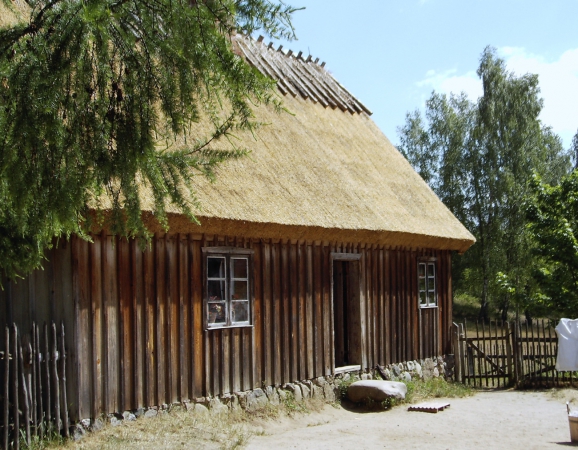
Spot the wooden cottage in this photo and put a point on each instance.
(322, 249)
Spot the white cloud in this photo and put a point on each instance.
(449, 81)
(558, 84)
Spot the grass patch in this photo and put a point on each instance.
(421, 390)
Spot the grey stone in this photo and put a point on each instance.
(78, 432)
(114, 421)
(320, 382)
(201, 409)
(436, 372)
(295, 390)
(97, 425)
(255, 400)
(85, 423)
(418, 369)
(346, 377)
(377, 390)
(309, 384)
(282, 394)
(410, 366)
(405, 376)
(305, 391)
(366, 376)
(396, 371)
(316, 391)
(139, 412)
(151, 412)
(127, 415)
(216, 406)
(329, 392)
(272, 395)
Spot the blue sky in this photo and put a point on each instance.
(391, 54)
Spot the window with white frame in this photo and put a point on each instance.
(227, 279)
(427, 284)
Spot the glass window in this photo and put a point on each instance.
(227, 287)
(427, 284)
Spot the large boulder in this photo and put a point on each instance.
(377, 390)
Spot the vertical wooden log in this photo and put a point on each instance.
(6, 404)
(54, 369)
(39, 359)
(48, 383)
(15, 405)
(25, 402)
(457, 353)
(33, 387)
(63, 382)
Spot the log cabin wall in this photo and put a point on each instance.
(137, 331)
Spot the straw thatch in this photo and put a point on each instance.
(321, 174)
(324, 172)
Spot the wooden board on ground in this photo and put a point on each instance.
(430, 407)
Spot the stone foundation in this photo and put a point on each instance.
(327, 389)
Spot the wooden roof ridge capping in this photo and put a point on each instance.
(336, 98)
(270, 70)
(285, 68)
(329, 84)
(261, 65)
(299, 75)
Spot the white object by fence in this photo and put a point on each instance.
(567, 358)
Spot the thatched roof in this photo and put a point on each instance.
(324, 172)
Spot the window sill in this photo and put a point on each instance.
(347, 369)
(228, 327)
(428, 307)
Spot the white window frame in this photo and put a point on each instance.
(427, 283)
(228, 280)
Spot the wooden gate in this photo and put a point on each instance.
(500, 354)
(484, 354)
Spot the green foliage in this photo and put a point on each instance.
(478, 157)
(552, 213)
(437, 387)
(96, 95)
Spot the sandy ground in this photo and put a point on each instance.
(491, 419)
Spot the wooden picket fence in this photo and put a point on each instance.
(499, 354)
(33, 380)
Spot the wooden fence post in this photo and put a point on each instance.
(63, 382)
(457, 352)
(509, 361)
(6, 405)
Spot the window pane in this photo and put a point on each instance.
(422, 298)
(240, 290)
(240, 311)
(421, 269)
(240, 266)
(217, 313)
(216, 290)
(431, 284)
(215, 267)
(422, 284)
(431, 270)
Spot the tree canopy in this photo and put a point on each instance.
(552, 213)
(93, 96)
(479, 157)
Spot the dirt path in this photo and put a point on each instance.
(495, 419)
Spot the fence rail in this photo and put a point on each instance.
(498, 354)
(33, 379)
